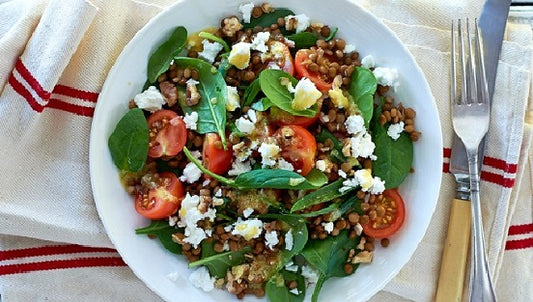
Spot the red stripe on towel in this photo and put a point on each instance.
(72, 108)
(60, 264)
(26, 74)
(519, 244)
(51, 250)
(497, 179)
(520, 229)
(76, 93)
(23, 92)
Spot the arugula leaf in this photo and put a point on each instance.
(211, 108)
(160, 60)
(394, 157)
(328, 256)
(279, 95)
(326, 193)
(279, 179)
(251, 92)
(128, 143)
(363, 85)
(163, 232)
(332, 34)
(218, 264)
(224, 65)
(336, 153)
(262, 105)
(276, 289)
(265, 20)
(303, 39)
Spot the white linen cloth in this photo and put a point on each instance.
(54, 58)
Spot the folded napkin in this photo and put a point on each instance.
(54, 58)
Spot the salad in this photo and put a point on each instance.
(266, 152)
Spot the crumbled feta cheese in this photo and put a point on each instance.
(364, 179)
(246, 10)
(233, 101)
(285, 165)
(354, 124)
(228, 228)
(291, 266)
(192, 81)
(368, 62)
(358, 229)
(150, 99)
(289, 240)
(174, 277)
(294, 291)
(191, 173)
(244, 125)
(239, 55)
(378, 186)
(258, 43)
(217, 201)
(251, 228)
(206, 182)
(328, 226)
(218, 193)
(189, 216)
(302, 22)
(349, 184)
(310, 275)
(362, 145)
(225, 246)
(200, 278)
(172, 220)
(321, 165)
(210, 50)
(342, 174)
(305, 94)
(247, 212)
(269, 153)
(386, 76)
(191, 120)
(239, 167)
(395, 130)
(271, 239)
(349, 48)
(252, 116)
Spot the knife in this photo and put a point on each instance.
(451, 279)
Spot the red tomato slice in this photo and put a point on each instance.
(300, 63)
(214, 157)
(161, 197)
(168, 134)
(391, 221)
(282, 118)
(298, 146)
(282, 57)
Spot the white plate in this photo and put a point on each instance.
(150, 261)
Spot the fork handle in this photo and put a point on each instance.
(481, 286)
(455, 253)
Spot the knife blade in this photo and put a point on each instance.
(451, 279)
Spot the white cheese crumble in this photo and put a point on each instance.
(361, 145)
(189, 216)
(200, 278)
(349, 48)
(247, 212)
(294, 291)
(290, 266)
(251, 228)
(320, 165)
(252, 115)
(191, 120)
(310, 275)
(363, 178)
(233, 100)
(289, 240)
(239, 167)
(174, 277)
(258, 43)
(395, 130)
(172, 220)
(342, 174)
(192, 173)
(150, 99)
(239, 55)
(354, 124)
(368, 62)
(387, 76)
(217, 201)
(358, 229)
(246, 10)
(328, 226)
(269, 152)
(285, 165)
(305, 94)
(378, 186)
(302, 22)
(271, 239)
(210, 50)
(244, 125)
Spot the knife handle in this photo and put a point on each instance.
(455, 253)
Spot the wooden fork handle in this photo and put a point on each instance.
(455, 253)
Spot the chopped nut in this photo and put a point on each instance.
(230, 26)
(363, 257)
(170, 92)
(192, 96)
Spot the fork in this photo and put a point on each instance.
(470, 120)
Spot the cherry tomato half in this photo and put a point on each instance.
(298, 146)
(282, 57)
(392, 219)
(160, 196)
(281, 117)
(168, 134)
(214, 157)
(300, 62)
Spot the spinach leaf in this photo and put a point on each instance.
(163, 232)
(160, 60)
(332, 34)
(279, 95)
(351, 203)
(262, 105)
(328, 256)
(277, 290)
(279, 179)
(211, 108)
(326, 193)
(394, 157)
(251, 92)
(298, 228)
(265, 20)
(218, 264)
(303, 39)
(128, 143)
(336, 153)
(363, 85)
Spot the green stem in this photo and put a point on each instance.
(194, 160)
(212, 37)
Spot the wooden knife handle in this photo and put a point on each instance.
(455, 253)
